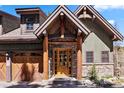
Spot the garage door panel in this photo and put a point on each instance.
(16, 69)
(2, 67)
(26, 66)
(18, 60)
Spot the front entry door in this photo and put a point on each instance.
(62, 58)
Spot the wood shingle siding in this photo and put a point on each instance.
(9, 22)
(22, 47)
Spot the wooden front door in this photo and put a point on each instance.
(62, 58)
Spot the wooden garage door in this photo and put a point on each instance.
(27, 66)
(2, 67)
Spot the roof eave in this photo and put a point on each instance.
(108, 25)
(55, 13)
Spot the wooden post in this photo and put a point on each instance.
(79, 57)
(45, 57)
(9, 66)
(62, 25)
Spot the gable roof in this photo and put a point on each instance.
(68, 13)
(2, 13)
(114, 31)
(16, 36)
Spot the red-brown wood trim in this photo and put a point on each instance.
(65, 43)
(79, 58)
(45, 58)
(62, 25)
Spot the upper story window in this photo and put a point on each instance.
(29, 23)
(105, 56)
(29, 26)
(89, 57)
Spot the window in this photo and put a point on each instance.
(89, 56)
(29, 26)
(105, 56)
(30, 22)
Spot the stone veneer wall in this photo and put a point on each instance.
(102, 69)
(119, 60)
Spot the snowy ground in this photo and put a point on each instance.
(59, 83)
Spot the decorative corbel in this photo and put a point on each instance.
(79, 32)
(62, 25)
(93, 18)
(114, 37)
(45, 33)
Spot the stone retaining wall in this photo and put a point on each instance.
(102, 69)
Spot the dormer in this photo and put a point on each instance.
(31, 18)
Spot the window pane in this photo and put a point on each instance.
(89, 57)
(29, 26)
(105, 56)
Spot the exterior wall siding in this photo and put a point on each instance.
(41, 19)
(93, 43)
(21, 47)
(97, 41)
(1, 28)
(25, 31)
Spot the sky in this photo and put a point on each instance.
(113, 13)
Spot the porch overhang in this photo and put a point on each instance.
(61, 9)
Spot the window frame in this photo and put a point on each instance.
(105, 58)
(30, 27)
(92, 57)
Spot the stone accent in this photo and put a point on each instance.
(119, 60)
(102, 69)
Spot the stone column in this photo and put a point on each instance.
(79, 57)
(45, 58)
(9, 66)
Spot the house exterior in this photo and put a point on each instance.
(34, 46)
